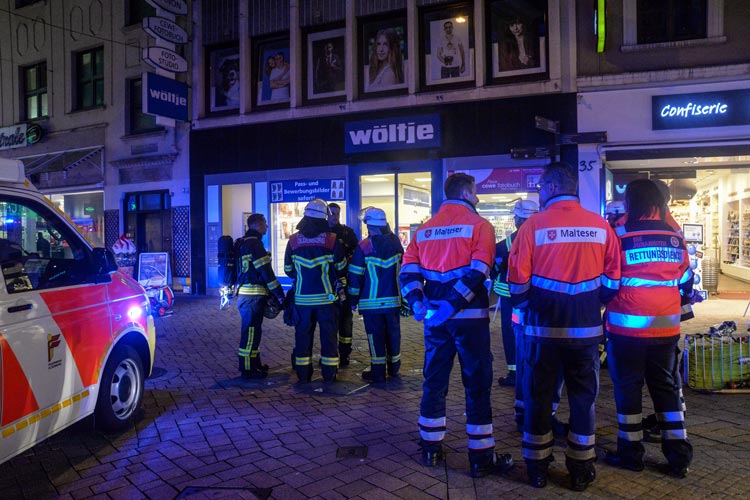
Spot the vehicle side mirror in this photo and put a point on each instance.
(104, 261)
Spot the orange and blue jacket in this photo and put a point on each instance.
(564, 264)
(315, 261)
(448, 259)
(655, 275)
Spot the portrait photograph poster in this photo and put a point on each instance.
(224, 66)
(273, 71)
(448, 46)
(326, 70)
(518, 34)
(384, 55)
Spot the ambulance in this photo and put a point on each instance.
(76, 336)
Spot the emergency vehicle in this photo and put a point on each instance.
(76, 336)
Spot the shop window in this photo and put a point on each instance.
(671, 23)
(137, 10)
(89, 76)
(86, 210)
(34, 79)
(139, 121)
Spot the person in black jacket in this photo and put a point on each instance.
(348, 241)
(315, 261)
(374, 288)
(257, 284)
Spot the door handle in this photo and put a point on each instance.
(22, 307)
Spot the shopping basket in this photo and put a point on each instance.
(717, 361)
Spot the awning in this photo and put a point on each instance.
(62, 161)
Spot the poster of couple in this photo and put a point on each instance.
(273, 73)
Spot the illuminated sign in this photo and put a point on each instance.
(13, 136)
(390, 134)
(306, 190)
(166, 59)
(159, 27)
(165, 97)
(707, 109)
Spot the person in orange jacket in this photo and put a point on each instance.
(442, 278)
(563, 266)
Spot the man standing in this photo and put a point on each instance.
(442, 278)
(522, 210)
(450, 49)
(348, 241)
(255, 282)
(315, 261)
(563, 266)
(374, 287)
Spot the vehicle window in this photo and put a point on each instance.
(37, 250)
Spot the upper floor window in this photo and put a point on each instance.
(35, 90)
(139, 121)
(90, 78)
(138, 9)
(671, 20)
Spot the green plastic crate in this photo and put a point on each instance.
(716, 363)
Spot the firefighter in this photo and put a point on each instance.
(522, 210)
(316, 262)
(348, 241)
(442, 278)
(643, 327)
(613, 212)
(257, 285)
(374, 288)
(563, 265)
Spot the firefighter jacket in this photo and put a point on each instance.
(373, 274)
(564, 264)
(655, 270)
(499, 272)
(315, 261)
(348, 241)
(449, 258)
(254, 273)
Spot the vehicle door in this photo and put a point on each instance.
(54, 323)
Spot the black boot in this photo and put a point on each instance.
(623, 462)
(373, 376)
(493, 463)
(537, 471)
(260, 366)
(393, 368)
(509, 380)
(432, 456)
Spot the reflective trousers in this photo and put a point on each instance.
(518, 406)
(327, 317)
(251, 311)
(384, 337)
(630, 364)
(345, 325)
(580, 366)
(507, 332)
(470, 339)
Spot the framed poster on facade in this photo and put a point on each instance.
(224, 78)
(272, 72)
(447, 45)
(326, 70)
(518, 39)
(383, 56)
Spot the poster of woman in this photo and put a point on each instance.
(519, 45)
(384, 55)
(273, 73)
(225, 79)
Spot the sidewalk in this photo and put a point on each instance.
(207, 434)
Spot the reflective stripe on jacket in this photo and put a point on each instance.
(255, 275)
(499, 273)
(373, 274)
(449, 258)
(655, 266)
(315, 263)
(564, 264)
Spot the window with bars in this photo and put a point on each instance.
(139, 121)
(90, 78)
(671, 20)
(35, 91)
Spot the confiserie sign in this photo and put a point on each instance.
(706, 109)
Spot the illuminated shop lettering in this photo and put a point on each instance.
(692, 109)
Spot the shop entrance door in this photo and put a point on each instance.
(407, 192)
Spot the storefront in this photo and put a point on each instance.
(697, 139)
(396, 160)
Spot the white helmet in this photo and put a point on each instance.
(614, 208)
(525, 208)
(317, 209)
(373, 216)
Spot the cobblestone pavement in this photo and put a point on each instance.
(205, 433)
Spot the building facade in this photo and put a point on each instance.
(372, 103)
(70, 109)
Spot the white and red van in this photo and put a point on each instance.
(76, 336)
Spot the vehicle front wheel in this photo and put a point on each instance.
(120, 390)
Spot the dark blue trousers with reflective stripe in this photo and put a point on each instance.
(630, 364)
(327, 317)
(345, 325)
(506, 329)
(384, 336)
(580, 365)
(470, 339)
(518, 406)
(251, 312)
